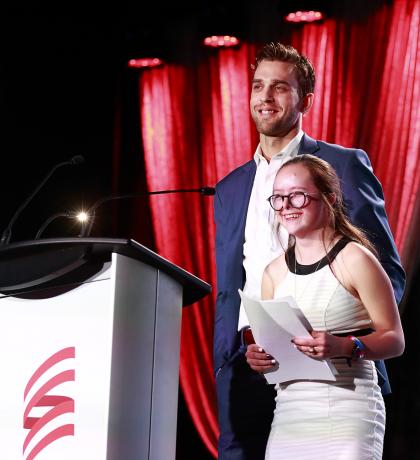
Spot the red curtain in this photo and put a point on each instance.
(183, 233)
(367, 96)
(193, 138)
(196, 128)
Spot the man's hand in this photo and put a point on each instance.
(258, 359)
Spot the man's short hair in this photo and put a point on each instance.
(276, 51)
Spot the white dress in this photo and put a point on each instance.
(342, 420)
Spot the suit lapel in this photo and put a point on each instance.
(243, 188)
(308, 145)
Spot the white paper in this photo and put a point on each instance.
(274, 324)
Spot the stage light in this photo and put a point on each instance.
(304, 16)
(218, 41)
(82, 216)
(144, 62)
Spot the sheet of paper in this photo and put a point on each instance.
(274, 323)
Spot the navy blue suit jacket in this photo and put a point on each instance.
(364, 201)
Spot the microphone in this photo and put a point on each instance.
(7, 232)
(76, 160)
(86, 229)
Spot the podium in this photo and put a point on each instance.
(90, 338)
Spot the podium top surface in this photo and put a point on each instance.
(34, 264)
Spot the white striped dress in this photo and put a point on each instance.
(342, 420)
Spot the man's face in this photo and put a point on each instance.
(276, 106)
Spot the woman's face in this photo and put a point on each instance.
(299, 221)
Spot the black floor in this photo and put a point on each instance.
(188, 444)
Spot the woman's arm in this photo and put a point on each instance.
(361, 273)
(256, 357)
(366, 276)
(273, 275)
(267, 286)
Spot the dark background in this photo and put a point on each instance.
(64, 82)
(65, 90)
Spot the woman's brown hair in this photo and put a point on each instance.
(327, 182)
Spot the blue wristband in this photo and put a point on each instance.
(358, 351)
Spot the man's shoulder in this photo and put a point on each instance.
(334, 148)
(335, 154)
(238, 173)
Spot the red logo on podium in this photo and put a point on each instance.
(59, 404)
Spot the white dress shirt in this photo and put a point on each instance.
(263, 242)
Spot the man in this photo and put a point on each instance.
(246, 240)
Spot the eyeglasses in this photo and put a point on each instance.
(296, 200)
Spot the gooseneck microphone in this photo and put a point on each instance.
(51, 219)
(87, 228)
(7, 232)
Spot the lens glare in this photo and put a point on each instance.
(297, 199)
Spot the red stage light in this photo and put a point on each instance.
(144, 62)
(304, 16)
(216, 41)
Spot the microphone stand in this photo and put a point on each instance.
(7, 232)
(87, 227)
(51, 219)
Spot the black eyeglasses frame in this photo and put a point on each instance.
(308, 197)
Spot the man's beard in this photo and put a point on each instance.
(278, 128)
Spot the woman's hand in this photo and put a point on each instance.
(258, 359)
(324, 345)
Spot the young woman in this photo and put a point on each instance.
(331, 270)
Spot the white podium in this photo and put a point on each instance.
(89, 340)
